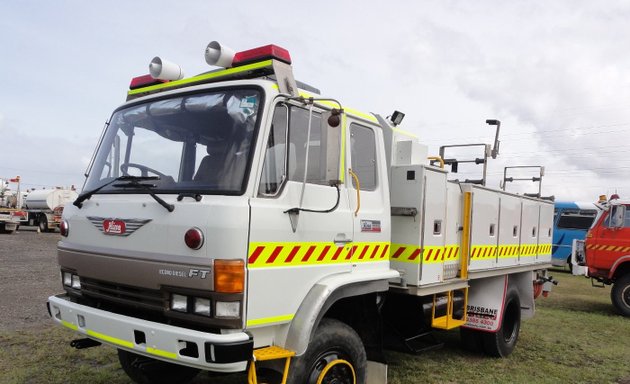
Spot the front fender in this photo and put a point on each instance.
(324, 294)
(616, 264)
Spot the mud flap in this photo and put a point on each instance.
(376, 373)
(485, 303)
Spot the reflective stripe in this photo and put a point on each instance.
(202, 78)
(110, 339)
(287, 254)
(69, 325)
(269, 320)
(159, 352)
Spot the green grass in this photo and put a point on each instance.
(575, 337)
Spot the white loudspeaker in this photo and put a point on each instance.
(219, 55)
(165, 70)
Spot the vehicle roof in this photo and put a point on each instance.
(574, 205)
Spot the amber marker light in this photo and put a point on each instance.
(229, 276)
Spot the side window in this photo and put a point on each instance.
(618, 216)
(313, 163)
(274, 165)
(363, 156)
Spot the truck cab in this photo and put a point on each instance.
(607, 252)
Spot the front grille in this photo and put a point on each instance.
(133, 297)
(151, 304)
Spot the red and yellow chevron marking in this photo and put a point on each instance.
(508, 251)
(288, 254)
(528, 250)
(409, 253)
(483, 252)
(544, 249)
(608, 247)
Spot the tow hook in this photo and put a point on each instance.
(84, 343)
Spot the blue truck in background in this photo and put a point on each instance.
(571, 221)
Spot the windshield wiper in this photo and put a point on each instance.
(86, 195)
(135, 183)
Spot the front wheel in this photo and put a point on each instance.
(620, 295)
(334, 355)
(145, 370)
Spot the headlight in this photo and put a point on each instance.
(76, 282)
(202, 306)
(67, 279)
(229, 309)
(179, 303)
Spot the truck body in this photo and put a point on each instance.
(238, 218)
(571, 221)
(606, 252)
(44, 207)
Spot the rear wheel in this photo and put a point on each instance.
(145, 370)
(43, 223)
(502, 342)
(335, 355)
(620, 295)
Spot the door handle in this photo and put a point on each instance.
(341, 239)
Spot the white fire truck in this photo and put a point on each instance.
(239, 221)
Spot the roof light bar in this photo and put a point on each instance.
(261, 53)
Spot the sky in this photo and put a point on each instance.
(555, 73)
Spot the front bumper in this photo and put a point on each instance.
(208, 351)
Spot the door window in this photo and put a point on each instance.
(363, 152)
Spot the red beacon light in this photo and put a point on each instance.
(144, 81)
(261, 53)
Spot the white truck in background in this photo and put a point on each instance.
(10, 203)
(44, 207)
(237, 220)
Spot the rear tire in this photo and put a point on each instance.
(334, 355)
(620, 295)
(43, 223)
(502, 342)
(145, 370)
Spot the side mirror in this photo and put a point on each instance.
(331, 122)
(617, 214)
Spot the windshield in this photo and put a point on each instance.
(199, 143)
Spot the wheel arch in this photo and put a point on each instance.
(620, 267)
(335, 296)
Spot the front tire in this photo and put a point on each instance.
(620, 295)
(145, 370)
(502, 342)
(334, 355)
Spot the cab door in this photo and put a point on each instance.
(612, 240)
(369, 195)
(301, 227)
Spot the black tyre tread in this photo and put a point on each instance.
(616, 294)
(160, 372)
(494, 344)
(330, 333)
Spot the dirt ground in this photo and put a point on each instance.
(28, 275)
